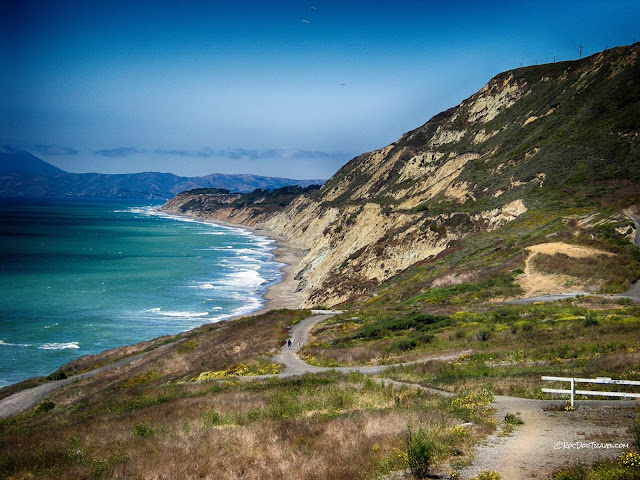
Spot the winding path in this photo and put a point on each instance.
(294, 365)
(23, 400)
(548, 440)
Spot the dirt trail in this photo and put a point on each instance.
(540, 282)
(551, 439)
(24, 400)
(294, 365)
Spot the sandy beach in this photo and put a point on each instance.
(283, 294)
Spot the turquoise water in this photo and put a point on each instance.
(79, 277)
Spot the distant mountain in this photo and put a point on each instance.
(24, 174)
(18, 161)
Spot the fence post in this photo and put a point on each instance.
(573, 390)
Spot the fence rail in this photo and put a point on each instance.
(599, 380)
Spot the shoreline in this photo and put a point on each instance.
(282, 294)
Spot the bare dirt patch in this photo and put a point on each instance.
(534, 283)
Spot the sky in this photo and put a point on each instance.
(289, 88)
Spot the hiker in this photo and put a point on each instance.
(289, 344)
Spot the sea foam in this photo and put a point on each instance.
(59, 346)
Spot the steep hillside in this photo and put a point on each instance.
(549, 150)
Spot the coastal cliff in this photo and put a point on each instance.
(532, 141)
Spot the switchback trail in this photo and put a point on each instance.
(294, 365)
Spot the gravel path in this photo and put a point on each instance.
(551, 439)
(24, 400)
(294, 365)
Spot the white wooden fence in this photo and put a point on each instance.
(600, 380)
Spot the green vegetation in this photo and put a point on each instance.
(512, 345)
(208, 191)
(625, 467)
(275, 198)
(510, 422)
(242, 370)
(422, 451)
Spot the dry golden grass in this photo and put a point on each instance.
(209, 348)
(328, 426)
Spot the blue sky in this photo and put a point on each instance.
(281, 88)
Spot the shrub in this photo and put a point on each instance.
(395, 460)
(630, 460)
(143, 430)
(211, 418)
(45, 406)
(590, 320)
(187, 347)
(422, 451)
(405, 344)
(472, 406)
(488, 475)
(57, 375)
(483, 335)
(513, 419)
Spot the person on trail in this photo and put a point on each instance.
(289, 344)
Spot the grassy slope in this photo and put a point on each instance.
(151, 421)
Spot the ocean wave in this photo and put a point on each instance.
(246, 279)
(204, 286)
(252, 305)
(8, 344)
(177, 314)
(59, 346)
(252, 260)
(250, 251)
(144, 210)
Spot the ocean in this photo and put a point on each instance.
(81, 276)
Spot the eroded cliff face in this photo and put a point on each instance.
(469, 170)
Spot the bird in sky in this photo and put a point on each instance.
(305, 21)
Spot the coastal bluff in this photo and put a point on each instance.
(502, 163)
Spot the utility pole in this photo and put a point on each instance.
(580, 50)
